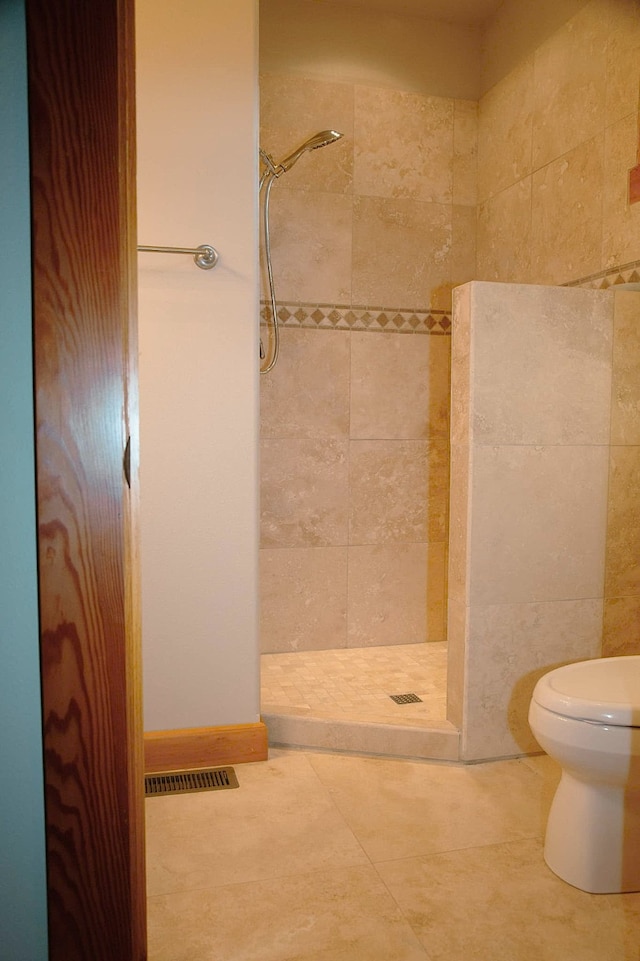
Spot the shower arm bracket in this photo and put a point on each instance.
(272, 167)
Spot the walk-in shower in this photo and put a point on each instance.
(273, 170)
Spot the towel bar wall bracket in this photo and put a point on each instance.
(204, 256)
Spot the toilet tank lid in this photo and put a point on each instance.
(605, 690)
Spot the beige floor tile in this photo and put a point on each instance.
(501, 902)
(400, 809)
(356, 684)
(270, 872)
(345, 915)
(280, 821)
(545, 766)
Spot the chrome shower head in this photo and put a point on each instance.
(321, 139)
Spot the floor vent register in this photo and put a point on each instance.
(189, 782)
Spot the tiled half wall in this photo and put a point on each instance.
(545, 525)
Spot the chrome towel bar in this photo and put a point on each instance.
(204, 256)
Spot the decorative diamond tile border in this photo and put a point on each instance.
(373, 319)
(405, 321)
(611, 277)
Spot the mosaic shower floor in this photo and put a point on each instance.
(341, 700)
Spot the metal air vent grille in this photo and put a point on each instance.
(189, 782)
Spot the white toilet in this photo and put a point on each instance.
(587, 716)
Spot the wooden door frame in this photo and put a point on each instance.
(82, 133)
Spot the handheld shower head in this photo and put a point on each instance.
(271, 172)
(321, 139)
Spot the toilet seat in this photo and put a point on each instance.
(601, 691)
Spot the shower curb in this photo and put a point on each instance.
(360, 737)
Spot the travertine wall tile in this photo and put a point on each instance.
(555, 140)
(461, 398)
(390, 383)
(621, 628)
(465, 152)
(538, 523)
(303, 599)
(403, 145)
(464, 254)
(439, 402)
(623, 58)
(625, 399)
(510, 647)
(529, 503)
(401, 252)
(310, 245)
(304, 487)
(388, 589)
(620, 220)
(542, 361)
(457, 641)
(437, 557)
(407, 148)
(623, 528)
(504, 235)
(286, 120)
(566, 218)
(388, 491)
(570, 71)
(505, 132)
(384, 233)
(459, 523)
(307, 392)
(437, 482)
(584, 140)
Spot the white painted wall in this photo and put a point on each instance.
(197, 183)
(514, 32)
(356, 43)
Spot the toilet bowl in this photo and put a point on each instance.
(587, 717)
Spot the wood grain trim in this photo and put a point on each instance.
(131, 500)
(204, 747)
(81, 123)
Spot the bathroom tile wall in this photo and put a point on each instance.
(387, 218)
(354, 490)
(369, 236)
(556, 139)
(531, 373)
(621, 633)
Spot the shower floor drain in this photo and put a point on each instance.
(189, 782)
(406, 698)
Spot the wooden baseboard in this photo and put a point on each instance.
(204, 747)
